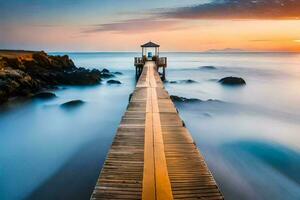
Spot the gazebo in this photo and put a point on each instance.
(150, 52)
(148, 49)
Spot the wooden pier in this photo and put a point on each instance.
(153, 155)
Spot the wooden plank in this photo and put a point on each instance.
(122, 173)
(149, 190)
(163, 186)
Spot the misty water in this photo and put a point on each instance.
(249, 135)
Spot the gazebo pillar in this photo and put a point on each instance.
(157, 52)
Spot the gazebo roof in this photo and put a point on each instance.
(150, 44)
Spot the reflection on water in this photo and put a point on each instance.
(248, 135)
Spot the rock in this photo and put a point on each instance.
(72, 104)
(215, 101)
(105, 70)
(10, 62)
(213, 79)
(44, 95)
(3, 96)
(113, 82)
(208, 67)
(183, 99)
(207, 115)
(80, 76)
(14, 82)
(41, 59)
(35, 71)
(107, 75)
(118, 73)
(233, 81)
(188, 81)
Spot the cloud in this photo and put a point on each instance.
(238, 9)
(173, 18)
(134, 26)
(275, 40)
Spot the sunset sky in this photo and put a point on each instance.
(177, 25)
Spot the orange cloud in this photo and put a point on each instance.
(239, 9)
(135, 25)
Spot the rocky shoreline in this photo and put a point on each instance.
(24, 73)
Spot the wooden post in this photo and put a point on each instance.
(164, 73)
(136, 71)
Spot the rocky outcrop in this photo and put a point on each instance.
(26, 73)
(175, 98)
(44, 95)
(178, 99)
(105, 73)
(113, 82)
(233, 81)
(72, 104)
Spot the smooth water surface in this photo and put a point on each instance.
(249, 135)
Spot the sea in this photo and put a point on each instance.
(249, 135)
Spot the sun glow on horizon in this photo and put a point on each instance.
(102, 28)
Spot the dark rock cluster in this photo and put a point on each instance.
(105, 73)
(175, 98)
(21, 76)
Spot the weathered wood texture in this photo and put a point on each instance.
(153, 155)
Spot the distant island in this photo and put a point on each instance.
(226, 50)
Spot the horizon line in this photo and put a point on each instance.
(117, 51)
(206, 52)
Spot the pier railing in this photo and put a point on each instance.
(139, 61)
(160, 61)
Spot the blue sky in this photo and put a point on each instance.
(53, 12)
(179, 25)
